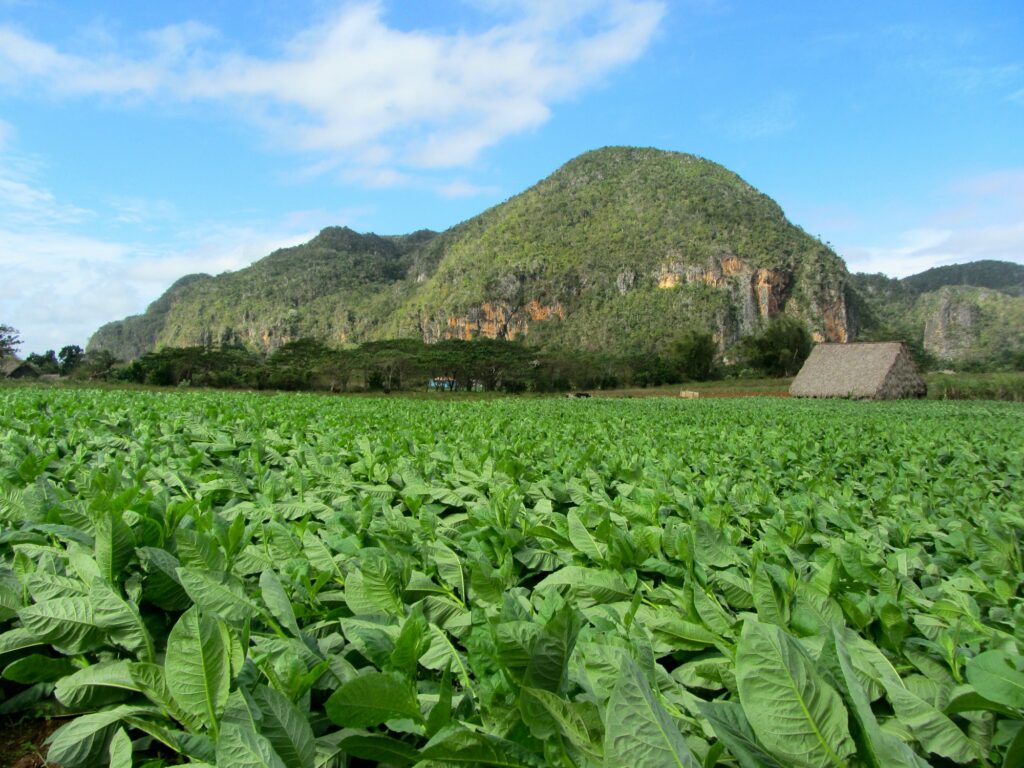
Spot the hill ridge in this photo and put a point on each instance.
(619, 249)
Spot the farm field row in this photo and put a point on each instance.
(295, 580)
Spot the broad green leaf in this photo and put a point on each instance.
(198, 666)
(772, 606)
(96, 685)
(440, 715)
(241, 710)
(673, 631)
(412, 642)
(1015, 751)
(379, 748)
(151, 681)
(583, 540)
(217, 592)
(196, 746)
(596, 585)
(373, 589)
(115, 545)
(733, 730)
(442, 654)
(66, 623)
(711, 546)
(18, 639)
(929, 726)
(120, 750)
(999, 677)
(458, 745)
(287, 729)
(162, 587)
(449, 568)
(638, 730)
(241, 747)
(37, 669)
(796, 715)
(120, 620)
(372, 699)
(966, 699)
(319, 556)
(548, 668)
(880, 749)
(277, 602)
(564, 715)
(85, 741)
(372, 637)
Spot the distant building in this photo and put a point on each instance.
(862, 371)
(12, 368)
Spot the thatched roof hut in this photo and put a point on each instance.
(12, 368)
(871, 370)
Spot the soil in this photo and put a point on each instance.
(21, 741)
(704, 394)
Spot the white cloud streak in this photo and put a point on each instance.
(360, 90)
(60, 286)
(984, 220)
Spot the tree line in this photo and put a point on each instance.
(491, 365)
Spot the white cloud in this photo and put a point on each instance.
(982, 218)
(58, 286)
(923, 249)
(462, 188)
(28, 205)
(357, 89)
(772, 116)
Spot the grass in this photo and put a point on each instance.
(941, 386)
(976, 386)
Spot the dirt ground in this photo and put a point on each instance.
(21, 741)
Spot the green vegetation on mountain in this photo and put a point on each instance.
(335, 286)
(970, 315)
(619, 251)
(1003, 276)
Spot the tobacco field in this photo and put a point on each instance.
(292, 581)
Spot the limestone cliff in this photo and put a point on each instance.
(966, 323)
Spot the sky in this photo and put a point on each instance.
(140, 142)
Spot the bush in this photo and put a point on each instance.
(780, 348)
(694, 355)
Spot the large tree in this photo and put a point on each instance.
(70, 356)
(46, 362)
(9, 340)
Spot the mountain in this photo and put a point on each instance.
(961, 313)
(1003, 276)
(621, 249)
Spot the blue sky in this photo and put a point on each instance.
(143, 141)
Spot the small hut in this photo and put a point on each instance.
(863, 371)
(12, 368)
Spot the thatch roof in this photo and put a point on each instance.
(873, 370)
(12, 368)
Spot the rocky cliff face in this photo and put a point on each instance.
(967, 323)
(949, 326)
(757, 295)
(497, 320)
